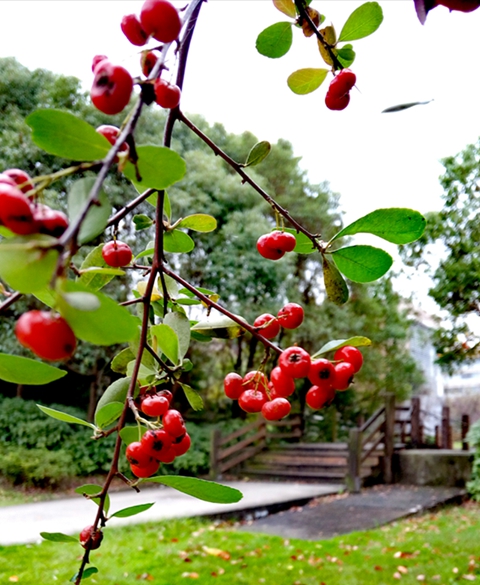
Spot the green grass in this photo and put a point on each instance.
(439, 548)
(10, 496)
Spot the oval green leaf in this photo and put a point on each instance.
(362, 22)
(90, 274)
(142, 222)
(21, 370)
(275, 41)
(357, 341)
(116, 392)
(121, 360)
(362, 263)
(305, 81)
(132, 511)
(132, 434)
(25, 264)
(181, 325)
(108, 414)
(58, 537)
(199, 222)
(167, 341)
(219, 326)
(85, 575)
(258, 153)
(63, 134)
(177, 242)
(83, 301)
(98, 215)
(346, 55)
(194, 399)
(304, 244)
(335, 285)
(159, 167)
(90, 489)
(64, 417)
(209, 491)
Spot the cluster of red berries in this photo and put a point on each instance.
(47, 334)
(255, 393)
(289, 317)
(159, 445)
(21, 214)
(338, 94)
(274, 245)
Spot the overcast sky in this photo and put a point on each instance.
(372, 159)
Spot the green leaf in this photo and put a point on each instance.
(275, 41)
(132, 434)
(167, 341)
(64, 417)
(335, 344)
(187, 301)
(170, 284)
(85, 575)
(286, 6)
(209, 491)
(47, 296)
(194, 399)
(396, 224)
(335, 285)
(346, 55)
(26, 265)
(94, 270)
(362, 263)
(107, 325)
(178, 242)
(115, 393)
(304, 244)
(108, 414)
(98, 215)
(159, 167)
(132, 511)
(121, 360)
(218, 326)
(58, 537)
(181, 325)
(362, 22)
(83, 301)
(199, 222)
(258, 153)
(90, 489)
(21, 370)
(142, 222)
(63, 134)
(146, 375)
(305, 81)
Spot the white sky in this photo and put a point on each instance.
(372, 159)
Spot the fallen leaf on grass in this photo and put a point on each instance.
(402, 569)
(469, 577)
(397, 575)
(420, 577)
(191, 575)
(145, 577)
(378, 568)
(217, 552)
(13, 579)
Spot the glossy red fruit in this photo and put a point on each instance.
(168, 455)
(16, 211)
(322, 373)
(112, 88)
(167, 95)
(21, 179)
(267, 325)
(156, 442)
(276, 409)
(117, 254)
(48, 335)
(91, 539)
(233, 385)
(255, 380)
(317, 397)
(266, 250)
(181, 445)
(98, 59)
(295, 362)
(145, 470)
(7, 180)
(173, 423)
(460, 5)
(291, 316)
(132, 29)
(111, 134)
(344, 372)
(283, 384)
(284, 241)
(50, 221)
(167, 394)
(137, 455)
(147, 62)
(155, 405)
(342, 83)
(161, 20)
(350, 354)
(252, 400)
(337, 103)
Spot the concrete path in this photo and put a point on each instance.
(23, 524)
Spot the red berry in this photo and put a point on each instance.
(50, 221)
(252, 400)
(342, 83)
(233, 385)
(145, 470)
(322, 373)
(98, 59)
(173, 423)
(317, 398)
(266, 250)
(343, 375)
(160, 20)
(291, 316)
(16, 212)
(112, 88)
(137, 455)
(167, 394)
(181, 445)
(350, 354)
(117, 254)
(156, 442)
(283, 385)
(295, 362)
(133, 30)
(21, 179)
(276, 409)
(168, 455)
(284, 241)
(48, 335)
(91, 539)
(460, 5)
(147, 62)
(111, 134)
(167, 95)
(155, 405)
(7, 180)
(255, 380)
(267, 325)
(337, 103)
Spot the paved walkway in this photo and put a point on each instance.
(23, 524)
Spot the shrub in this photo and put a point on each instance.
(473, 438)
(35, 467)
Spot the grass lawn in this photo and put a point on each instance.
(437, 548)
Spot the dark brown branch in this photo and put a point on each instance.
(10, 300)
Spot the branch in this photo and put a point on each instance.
(9, 301)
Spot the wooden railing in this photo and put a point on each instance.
(230, 450)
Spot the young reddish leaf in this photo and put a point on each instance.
(286, 6)
(305, 81)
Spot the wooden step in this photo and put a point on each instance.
(272, 458)
(316, 446)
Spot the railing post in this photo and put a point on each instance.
(214, 449)
(465, 429)
(415, 425)
(445, 431)
(354, 457)
(389, 437)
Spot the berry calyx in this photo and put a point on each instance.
(267, 251)
(283, 385)
(233, 385)
(112, 88)
(132, 29)
(173, 423)
(48, 335)
(160, 20)
(90, 538)
(117, 254)
(290, 316)
(317, 397)
(267, 325)
(167, 95)
(350, 354)
(252, 400)
(344, 372)
(295, 362)
(322, 373)
(276, 409)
